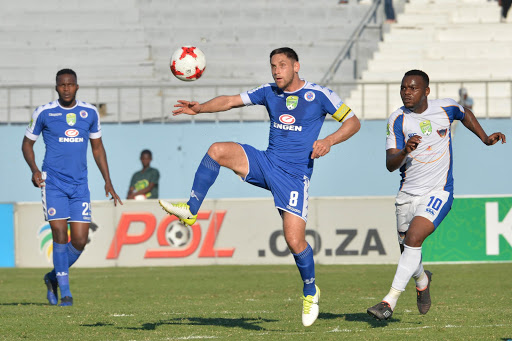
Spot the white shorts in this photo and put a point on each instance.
(434, 206)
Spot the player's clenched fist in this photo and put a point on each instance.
(412, 144)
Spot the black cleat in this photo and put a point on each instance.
(423, 297)
(381, 311)
(66, 301)
(51, 287)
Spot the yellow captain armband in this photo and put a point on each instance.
(341, 113)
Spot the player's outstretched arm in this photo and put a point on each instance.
(472, 124)
(27, 147)
(221, 103)
(346, 131)
(100, 156)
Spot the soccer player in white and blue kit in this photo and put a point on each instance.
(297, 110)
(419, 143)
(67, 126)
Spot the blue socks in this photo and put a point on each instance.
(60, 262)
(206, 175)
(73, 255)
(306, 265)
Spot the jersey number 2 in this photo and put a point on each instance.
(86, 208)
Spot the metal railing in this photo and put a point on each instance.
(154, 103)
(352, 44)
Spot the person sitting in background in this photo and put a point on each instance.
(144, 183)
(464, 99)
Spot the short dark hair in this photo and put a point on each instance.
(290, 53)
(146, 151)
(419, 73)
(66, 72)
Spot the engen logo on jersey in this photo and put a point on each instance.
(287, 122)
(83, 114)
(71, 133)
(287, 119)
(71, 136)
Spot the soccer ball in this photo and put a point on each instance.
(188, 63)
(178, 234)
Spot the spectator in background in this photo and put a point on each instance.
(390, 11)
(464, 99)
(505, 6)
(144, 183)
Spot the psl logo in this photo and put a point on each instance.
(426, 127)
(175, 240)
(46, 239)
(291, 102)
(71, 119)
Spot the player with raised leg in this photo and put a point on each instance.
(67, 125)
(419, 144)
(297, 110)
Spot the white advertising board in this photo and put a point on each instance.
(228, 231)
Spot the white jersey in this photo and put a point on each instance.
(429, 167)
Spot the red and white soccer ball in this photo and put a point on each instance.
(188, 63)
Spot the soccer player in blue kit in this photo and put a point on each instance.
(297, 110)
(419, 144)
(67, 125)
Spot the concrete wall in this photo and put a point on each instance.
(354, 168)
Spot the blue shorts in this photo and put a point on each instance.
(65, 201)
(290, 191)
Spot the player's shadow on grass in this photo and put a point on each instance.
(245, 323)
(25, 303)
(357, 317)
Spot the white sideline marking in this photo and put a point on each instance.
(192, 337)
(121, 315)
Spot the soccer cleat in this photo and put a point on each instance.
(51, 287)
(310, 308)
(180, 210)
(423, 297)
(66, 301)
(381, 311)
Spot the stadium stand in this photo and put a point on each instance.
(457, 42)
(121, 49)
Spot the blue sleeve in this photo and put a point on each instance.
(399, 132)
(454, 113)
(256, 96)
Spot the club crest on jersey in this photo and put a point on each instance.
(442, 132)
(71, 119)
(83, 114)
(426, 127)
(309, 96)
(291, 102)
(52, 211)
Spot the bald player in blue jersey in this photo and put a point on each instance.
(297, 110)
(67, 126)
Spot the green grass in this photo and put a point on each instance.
(470, 302)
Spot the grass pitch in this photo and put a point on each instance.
(470, 302)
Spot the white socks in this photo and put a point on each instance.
(408, 265)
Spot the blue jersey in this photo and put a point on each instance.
(295, 121)
(66, 133)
